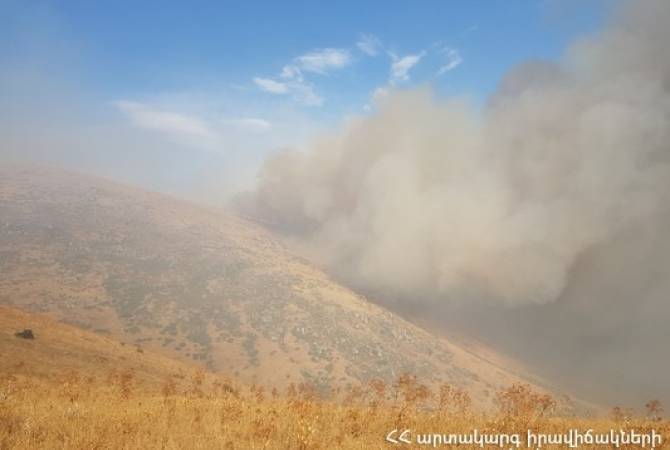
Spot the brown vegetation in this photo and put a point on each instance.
(207, 411)
(73, 389)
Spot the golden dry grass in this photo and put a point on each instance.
(204, 411)
(73, 389)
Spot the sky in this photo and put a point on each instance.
(190, 97)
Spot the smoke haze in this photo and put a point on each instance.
(540, 222)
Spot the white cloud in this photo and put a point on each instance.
(291, 71)
(250, 125)
(324, 60)
(300, 91)
(295, 85)
(271, 86)
(306, 95)
(317, 61)
(369, 44)
(380, 94)
(145, 116)
(454, 59)
(401, 66)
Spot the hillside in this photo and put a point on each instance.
(60, 351)
(71, 388)
(205, 287)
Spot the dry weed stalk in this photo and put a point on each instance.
(205, 411)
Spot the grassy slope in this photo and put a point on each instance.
(73, 389)
(60, 350)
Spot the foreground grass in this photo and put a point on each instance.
(205, 412)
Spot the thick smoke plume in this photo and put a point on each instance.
(557, 193)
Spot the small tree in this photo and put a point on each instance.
(519, 400)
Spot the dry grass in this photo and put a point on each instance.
(204, 411)
(73, 389)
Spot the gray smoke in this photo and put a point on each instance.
(548, 209)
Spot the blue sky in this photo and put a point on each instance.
(243, 78)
